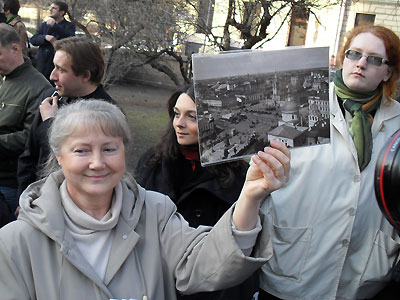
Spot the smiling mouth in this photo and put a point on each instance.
(97, 176)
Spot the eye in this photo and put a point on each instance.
(109, 150)
(176, 114)
(375, 60)
(80, 151)
(353, 54)
(193, 117)
(59, 69)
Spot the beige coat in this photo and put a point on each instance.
(153, 247)
(330, 238)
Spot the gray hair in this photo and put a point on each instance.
(8, 35)
(90, 114)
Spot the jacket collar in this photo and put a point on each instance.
(19, 70)
(41, 207)
(387, 110)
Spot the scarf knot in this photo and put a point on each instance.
(360, 105)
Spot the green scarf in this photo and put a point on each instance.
(11, 18)
(359, 105)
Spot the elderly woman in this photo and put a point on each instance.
(88, 231)
(331, 240)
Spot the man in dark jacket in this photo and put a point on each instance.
(20, 94)
(53, 29)
(79, 68)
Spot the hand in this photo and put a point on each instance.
(50, 38)
(49, 107)
(268, 172)
(50, 22)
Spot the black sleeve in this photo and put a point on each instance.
(28, 160)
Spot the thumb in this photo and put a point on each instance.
(55, 101)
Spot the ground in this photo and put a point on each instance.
(146, 109)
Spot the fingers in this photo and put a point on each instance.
(52, 101)
(47, 100)
(270, 164)
(55, 101)
(280, 146)
(48, 108)
(274, 162)
(281, 153)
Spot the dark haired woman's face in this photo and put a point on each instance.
(359, 75)
(184, 122)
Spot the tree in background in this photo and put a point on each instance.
(251, 20)
(135, 33)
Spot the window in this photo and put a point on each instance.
(205, 15)
(364, 19)
(298, 26)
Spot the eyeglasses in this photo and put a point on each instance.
(371, 59)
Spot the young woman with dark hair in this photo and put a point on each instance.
(202, 194)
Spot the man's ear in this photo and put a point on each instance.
(15, 47)
(86, 76)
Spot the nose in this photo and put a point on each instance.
(97, 161)
(53, 75)
(180, 122)
(362, 62)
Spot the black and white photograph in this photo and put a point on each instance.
(246, 98)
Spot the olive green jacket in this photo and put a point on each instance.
(20, 96)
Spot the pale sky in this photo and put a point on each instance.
(236, 63)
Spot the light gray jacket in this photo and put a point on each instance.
(153, 248)
(330, 238)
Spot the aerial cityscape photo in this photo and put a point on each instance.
(239, 115)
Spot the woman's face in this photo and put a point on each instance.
(184, 122)
(93, 164)
(359, 75)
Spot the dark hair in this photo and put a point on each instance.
(85, 56)
(11, 5)
(8, 35)
(392, 47)
(62, 6)
(168, 147)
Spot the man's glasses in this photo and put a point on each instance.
(371, 59)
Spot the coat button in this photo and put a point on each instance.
(124, 237)
(345, 243)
